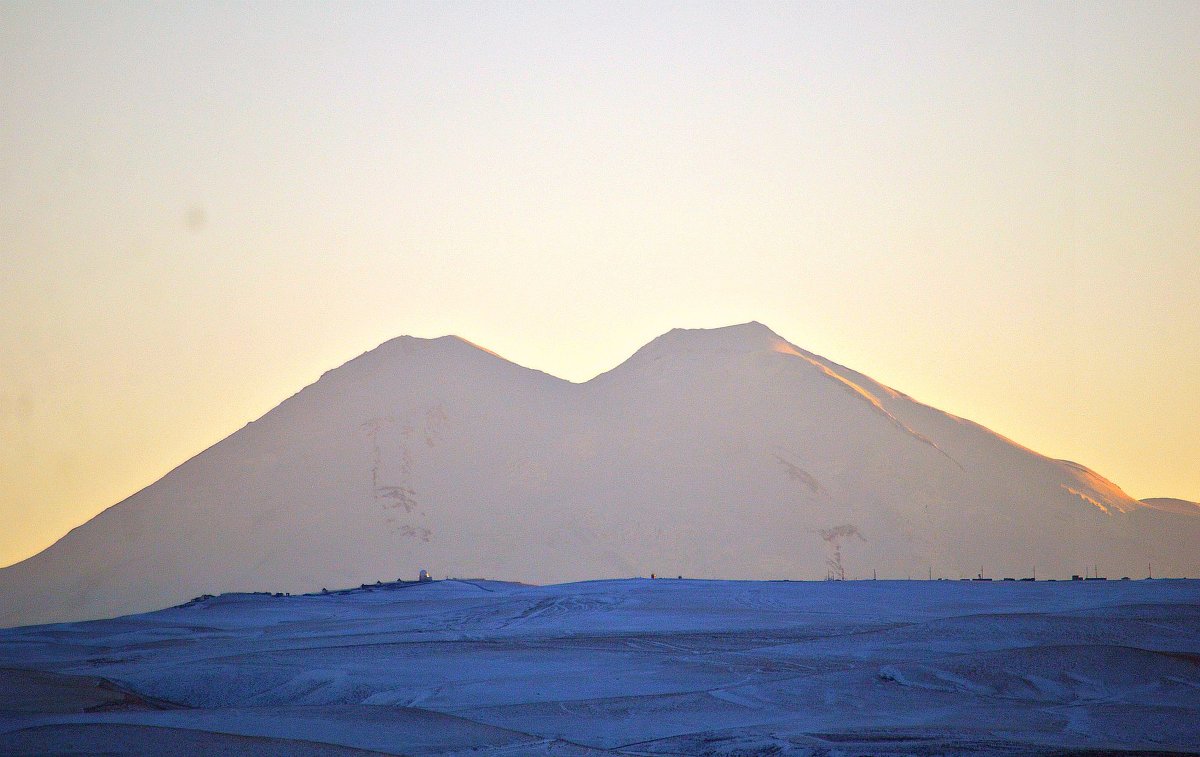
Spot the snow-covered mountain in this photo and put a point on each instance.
(718, 453)
(1173, 505)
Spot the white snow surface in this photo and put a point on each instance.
(722, 453)
(637, 666)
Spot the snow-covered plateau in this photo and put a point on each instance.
(720, 453)
(637, 666)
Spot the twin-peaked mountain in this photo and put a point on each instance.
(709, 453)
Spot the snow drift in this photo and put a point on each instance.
(709, 453)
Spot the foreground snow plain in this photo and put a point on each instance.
(635, 666)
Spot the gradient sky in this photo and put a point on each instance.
(203, 206)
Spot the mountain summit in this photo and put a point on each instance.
(745, 337)
(726, 453)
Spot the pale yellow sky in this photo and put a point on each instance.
(992, 207)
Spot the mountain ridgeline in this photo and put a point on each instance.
(725, 453)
